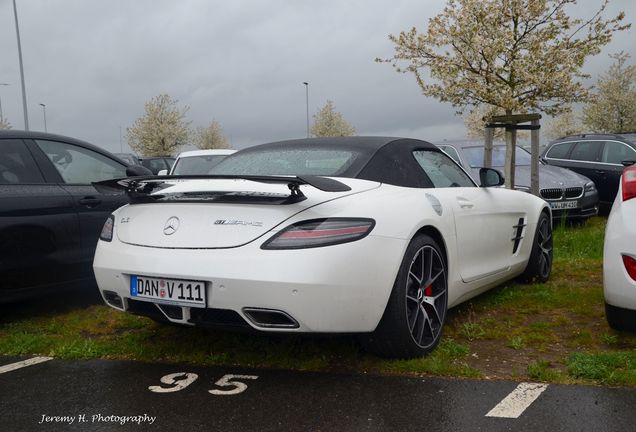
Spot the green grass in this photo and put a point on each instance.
(575, 243)
(552, 332)
(516, 342)
(614, 368)
(541, 370)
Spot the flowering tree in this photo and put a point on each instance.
(566, 123)
(210, 137)
(4, 123)
(612, 107)
(162, 128)
(517, 55)
(329, 122)
(477, 119)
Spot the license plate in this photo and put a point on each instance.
(559, 205)
(168, 291)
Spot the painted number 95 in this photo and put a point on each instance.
(178, 381)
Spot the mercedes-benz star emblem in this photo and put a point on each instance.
(171, 226)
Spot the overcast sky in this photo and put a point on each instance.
(241, 62)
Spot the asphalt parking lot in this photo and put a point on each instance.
(101, 395)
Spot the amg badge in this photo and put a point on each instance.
(237, 222)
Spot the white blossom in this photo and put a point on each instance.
(162, 128)
(4, 123)
(612, 107)
(517, 55)
(210, 137)
(329, 122)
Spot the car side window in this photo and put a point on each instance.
(586, 151)
(17, 165)
(439, 167)
(451, 152)
(616, 152)
(78, 165)
(559, 151)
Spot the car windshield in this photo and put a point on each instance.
(289, 161)
(475, 156)
(195, 165)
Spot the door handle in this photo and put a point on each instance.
(464, 203)
(599, 172)
(90, 201)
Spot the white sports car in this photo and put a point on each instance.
(369, 235)
(619, 256)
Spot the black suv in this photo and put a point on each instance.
(601, 157)
(50, 213)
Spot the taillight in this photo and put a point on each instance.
(320, 232)
(630, 266)
(107, 229)
(629, 183)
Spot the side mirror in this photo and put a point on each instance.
(628, 162)
(163, 172)
(490, 177)
(137, 171)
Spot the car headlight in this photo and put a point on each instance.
(590, 186)
(320, 232)
(107, 229)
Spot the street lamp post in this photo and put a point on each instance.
(1, 115)
(44, 112)
(24, 102)
(307, 103)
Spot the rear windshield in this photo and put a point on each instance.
(321, 162)
(195, 165)
(475, 156)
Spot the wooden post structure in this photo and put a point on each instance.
(511, 151)
(511, 123)
(534, 160)
(490, 133)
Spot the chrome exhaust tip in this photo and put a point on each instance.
(270, 318)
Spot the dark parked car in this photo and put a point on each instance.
(568, 193)
(50, 213)
(597, 156)
(157, 163)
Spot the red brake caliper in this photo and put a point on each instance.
(428, 291)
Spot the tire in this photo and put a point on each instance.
(412, 323)
(620, 319)
(540, 263)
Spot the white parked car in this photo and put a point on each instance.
(370, 235)
(196, 162)
(619, 256)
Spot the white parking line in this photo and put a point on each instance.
(513, 405)
(25, 363)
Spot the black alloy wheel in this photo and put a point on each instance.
(416, 311)
(540, 263)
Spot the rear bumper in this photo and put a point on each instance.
(333, 289)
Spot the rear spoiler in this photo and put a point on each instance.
(139, 188)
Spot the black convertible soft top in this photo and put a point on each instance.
(382, 159)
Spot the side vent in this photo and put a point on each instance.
(518, 230)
